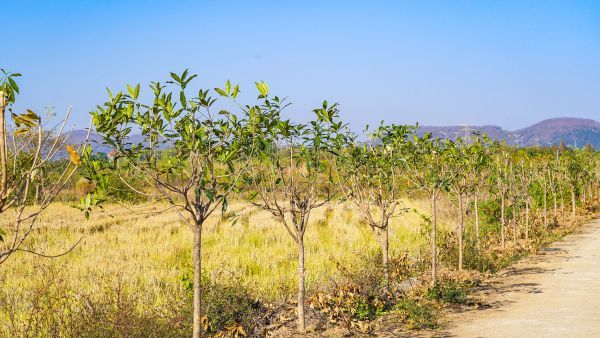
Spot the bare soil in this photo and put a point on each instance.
(553, 294)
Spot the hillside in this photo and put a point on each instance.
(573, 131)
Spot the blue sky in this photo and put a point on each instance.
(510, 63)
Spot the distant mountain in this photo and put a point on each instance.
(78, 136)
(573, 131)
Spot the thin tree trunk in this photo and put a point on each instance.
(197, 251)
(514, 222)
(477, 219)
(555, 208)
(433, 240)
(301, 289)
(460, 233)
(502, 222)
(562, 202)
(573, 204)
(385, 252)
(545, 205)
(3, 146)
(527, 221)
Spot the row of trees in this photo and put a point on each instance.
(197, 155)
(288, 169)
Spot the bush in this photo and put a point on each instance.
(361, 294)
(448, 291)
(226, 305)
(418, 315)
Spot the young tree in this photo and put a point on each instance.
(458, 162)
(428, 171)
(203, 171)
(513, 198)
(467, 161)
(370, 176)
(479, 159)
(503, 184)
(574, 169)
(553, 174)
(542, 177)
(525, 175)
(292, 172)
(27, 149)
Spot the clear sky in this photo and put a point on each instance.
(510, 63)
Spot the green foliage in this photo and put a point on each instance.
(371, 174)
(90, 200)
(448, 291)
(9, 86)
(419, 315)
(202, 145)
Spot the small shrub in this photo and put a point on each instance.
(418, 315)
(227, 305)
(448, 291)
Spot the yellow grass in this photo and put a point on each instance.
(147, 249)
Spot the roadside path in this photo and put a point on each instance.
(556, 294)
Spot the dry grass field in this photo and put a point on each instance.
(141, 253)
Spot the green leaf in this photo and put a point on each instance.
(262, 88)
(221, 92)
(176, 77)
(224, 205)
(130, 90)
(13, 85)
(183, 99)
(236, 90)
(228, 87)
(209, 194)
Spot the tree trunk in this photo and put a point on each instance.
(385, 252)
(573, 205)
(502, 222)
(477, 219)
(545, 205)
(562, 202)
(527, 221)
(3, 146)
(197, 251)
(460, 233)
(36, 198)
(433, 240)
(555, 208)
(301, 290)
(514, 222)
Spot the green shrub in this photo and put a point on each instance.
(418, 315)
(448, 291)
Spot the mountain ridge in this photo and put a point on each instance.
(573, 131)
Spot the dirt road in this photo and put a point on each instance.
(556, 294)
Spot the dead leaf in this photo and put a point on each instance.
(73, 155)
